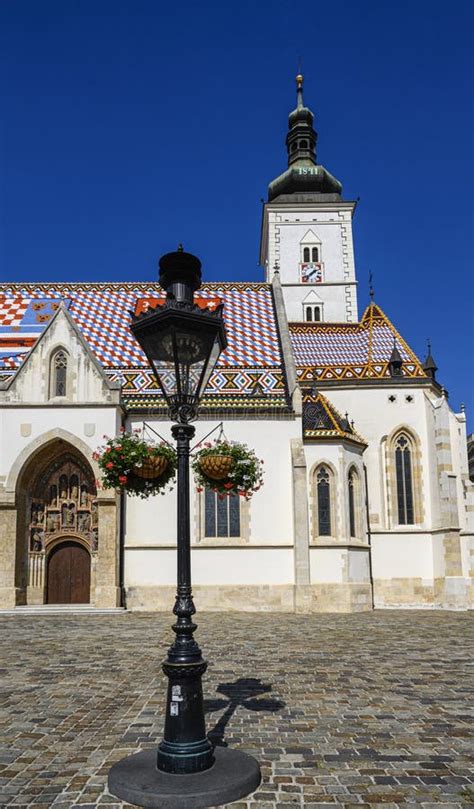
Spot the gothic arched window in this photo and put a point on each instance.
(306, 254)
(323, 486)
(351, 485)
(404, 480)
(58, 373)
(314, 254)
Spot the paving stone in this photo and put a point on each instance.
(366, 710)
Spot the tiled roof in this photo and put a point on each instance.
(334, 351)
(252, 362)
(321, 420)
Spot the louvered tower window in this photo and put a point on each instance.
(404, 476)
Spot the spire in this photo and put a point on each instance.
(429, 365)
(303, 174)
(371, 287)
(301, 138)
(395, 362)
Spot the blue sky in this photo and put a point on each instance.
(130, 126)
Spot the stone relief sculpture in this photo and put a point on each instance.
(64, 501)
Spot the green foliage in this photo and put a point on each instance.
(245, 477)
(118, 458)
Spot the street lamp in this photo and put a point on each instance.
(182, 342)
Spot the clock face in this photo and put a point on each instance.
(311, 273)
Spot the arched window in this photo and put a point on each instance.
(221, 516)
(324, 501)
(314, 254)
(58, 373)
(309, 313)
(351, 484)
(404, 480)
(306, 254)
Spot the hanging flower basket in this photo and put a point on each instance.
(216, 467)
(129, 463)
(152, 467)
(228, 467)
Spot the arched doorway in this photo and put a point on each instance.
(61, 515)
(68, 578)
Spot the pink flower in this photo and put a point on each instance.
(109, 465)
(228, 485)
(122, 478)
(108, 449)
(119, 446)
(208, 444)
(122, 429)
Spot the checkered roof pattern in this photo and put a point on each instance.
(102, 312)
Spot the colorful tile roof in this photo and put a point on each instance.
(336, 351)
(322, 421)
(252, 363)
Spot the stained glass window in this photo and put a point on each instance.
(221, 516)
(59, 373)
(351, 486)
(403, 469)
(324, 502)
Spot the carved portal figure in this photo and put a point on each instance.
(74, 487)
(52, 523)
(94, 511)
(34, 514)
(84, 496)
(53, 496)
(37, 541)
(64, 513)
(63, 487)
(70, 516)
(39, 515)
(83, 522)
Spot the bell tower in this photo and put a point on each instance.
(307, 230)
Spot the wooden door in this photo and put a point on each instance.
(69, 575)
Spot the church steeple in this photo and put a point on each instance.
(303, 174)
(301, 138)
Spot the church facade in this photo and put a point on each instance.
(367, 500)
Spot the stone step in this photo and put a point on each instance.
(65, 609)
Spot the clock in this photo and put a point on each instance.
(311, 273)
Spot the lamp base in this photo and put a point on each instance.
(137, 779)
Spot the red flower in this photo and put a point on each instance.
(199, 489)
(122, 478)
(109, 465)
(118, 446)
(108, 449)
(228, 485)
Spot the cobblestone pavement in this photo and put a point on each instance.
(352, 710)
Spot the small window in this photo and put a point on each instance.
(306, 254)
(312, 313)
(58, 385)
(315, 254)
(221, 516)
(303, 144)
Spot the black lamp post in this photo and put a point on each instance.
(182, 342)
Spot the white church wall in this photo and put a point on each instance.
(270, 510)
(22, 425)
(375, 418)
(402, 555)
(332, 228)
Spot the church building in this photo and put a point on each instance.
(366, 502)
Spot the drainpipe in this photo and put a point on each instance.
(369, 537)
